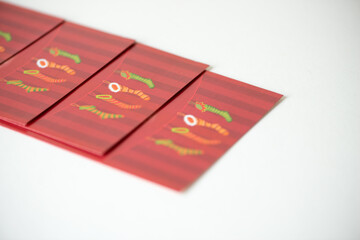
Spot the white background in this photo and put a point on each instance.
(295, 175)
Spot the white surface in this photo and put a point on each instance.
(304, 182)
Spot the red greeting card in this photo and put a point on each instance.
(186, 137)
(48, 70)
(118, 99)
(19, 27)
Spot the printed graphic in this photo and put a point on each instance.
(58, 52)
(115, 87)
(27, 88)
(191, 121)
(128, 75)
(180, 150)
(36, 73)
(186, 133)
(101, 114)
(43, 63)
(207, 108)
(7, 36)
(109, 98)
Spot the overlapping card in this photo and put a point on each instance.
(148, 112)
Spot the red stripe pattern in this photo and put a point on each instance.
(20, 27)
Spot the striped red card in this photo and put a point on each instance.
(19, 27)
(52, 67)
(118, 99)
(186, 137)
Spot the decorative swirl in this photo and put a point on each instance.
(180, 150)
(208, 108)
(186, 133)
(36, 73)
(27, 88)
(43, 63)
(191, 121)
(58, 52)
(108, 98)
(94, 110)
(115, 87)
(129, 75)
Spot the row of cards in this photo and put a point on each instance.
(148, 112)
